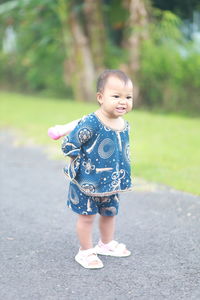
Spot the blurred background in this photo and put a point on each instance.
(61, 46)
(52, 51)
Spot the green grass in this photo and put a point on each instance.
(164, 148)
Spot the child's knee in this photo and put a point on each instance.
(86, 219)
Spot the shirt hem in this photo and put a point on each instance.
(98, 194)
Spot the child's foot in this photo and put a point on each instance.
(89, 259)
(113, 249)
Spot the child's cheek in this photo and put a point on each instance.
(131, 105)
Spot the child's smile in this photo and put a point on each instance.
(116, 98)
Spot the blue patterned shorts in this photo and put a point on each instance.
(89, 205)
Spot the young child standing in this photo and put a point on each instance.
(100, 167)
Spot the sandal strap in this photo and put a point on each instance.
(90, 255)
(88, 252)
(114, 246)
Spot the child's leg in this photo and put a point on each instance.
(82, 204)
(84, 228)
(87, 256)
(107, 228)
(108, 209)
(107, 245)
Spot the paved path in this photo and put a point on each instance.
(161, 227)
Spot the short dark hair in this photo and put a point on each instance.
(101, 82)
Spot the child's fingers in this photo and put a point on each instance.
(53, 133)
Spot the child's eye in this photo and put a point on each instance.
(115, 96)
(129, 98)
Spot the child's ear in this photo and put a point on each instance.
(99, 98)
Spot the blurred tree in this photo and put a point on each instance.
(62, 45)
(39, 27)
(96, 31)
(79, 69)
(82, 69)
(39, 49)
(183, 8)
(136, 32)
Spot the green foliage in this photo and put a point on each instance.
(169, 68)
(115, 56)
(38, 62)
(166, 25)
(183, 8)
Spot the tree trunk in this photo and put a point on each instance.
(96, 31)
(83, 71)
(137, 29)
(79, 70)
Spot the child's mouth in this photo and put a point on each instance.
(120, 109)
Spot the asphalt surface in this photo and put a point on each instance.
(159, 225)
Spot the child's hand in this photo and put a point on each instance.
(55, 132)
(58, 131)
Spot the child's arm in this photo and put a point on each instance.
(58, 131)
(72, 144)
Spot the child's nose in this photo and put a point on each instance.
(122, 100)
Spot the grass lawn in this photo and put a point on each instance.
(164, 148)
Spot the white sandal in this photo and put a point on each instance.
(112, 249)
(89, 259)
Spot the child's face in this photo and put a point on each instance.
(117, 98)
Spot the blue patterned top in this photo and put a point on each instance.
(101, 163)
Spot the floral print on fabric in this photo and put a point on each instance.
(88, 166)
(84, 135)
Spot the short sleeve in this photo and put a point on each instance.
(82, 133)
